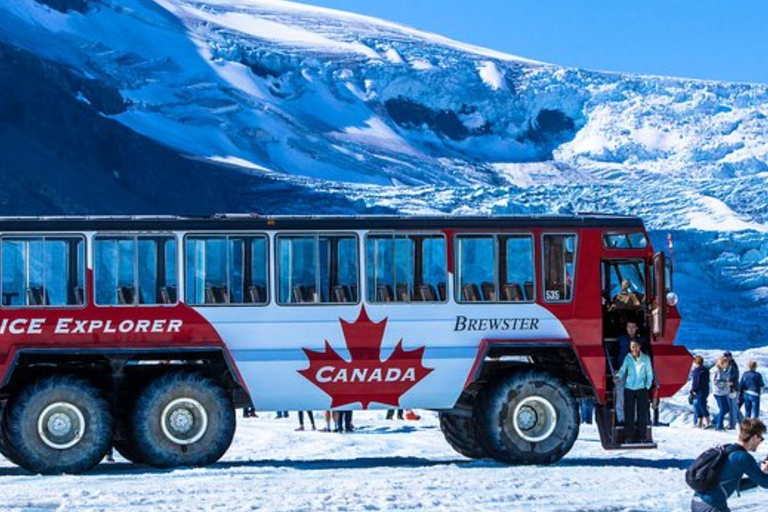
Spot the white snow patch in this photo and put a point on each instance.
(715, 215)
(491, 75)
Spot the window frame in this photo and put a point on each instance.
(227, 234)
(316, 235)
(135, 236)
(575, 235)
(394, 235)
(84, 268)
(496, 245)
(606, 234)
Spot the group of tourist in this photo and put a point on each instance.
(731, 392)
(335, 421)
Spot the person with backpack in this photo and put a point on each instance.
(700, 392)
(637, 373)
(751, 386)
(717, 473)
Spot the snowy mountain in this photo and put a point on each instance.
(183, 106)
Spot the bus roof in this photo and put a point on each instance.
(223, 222)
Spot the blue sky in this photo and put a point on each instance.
(711, 39)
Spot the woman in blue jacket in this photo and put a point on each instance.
(700, 393)
(752, 385)
(638, 374)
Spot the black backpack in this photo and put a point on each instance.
(704, 474)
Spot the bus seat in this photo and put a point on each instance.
(528, 290)
(298, 293)
(402, 293)
(35, 296)
(254, 295)
(384, 293)
(426, 293)
(209, 299)
(340, 294)
(470, 292)
(167, 294)
(441, 291)
(220, 294)
(125, 294)
(489, 291)
(512, 292)
(351, 291)
(311, 294)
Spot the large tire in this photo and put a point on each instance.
(527, 418)
(182, 419)
(460, 433)
(6, 450)
(59, 424)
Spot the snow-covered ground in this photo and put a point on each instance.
(385, 465)
(388, 465)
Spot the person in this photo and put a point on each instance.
(751, 386)
(587, 408)
(733, 391)
(345, 422)
(700, 393)
(249, 412)
(738, 464)
(301, 420)
(720, 390)
(623, 349)
(391, 414)
(626, 298)
(638, 374)
(281, 414)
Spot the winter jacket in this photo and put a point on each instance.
(720, 382)
(733, 375)
(752, 383)
(700, 381)
(637, 372)
(739, 463)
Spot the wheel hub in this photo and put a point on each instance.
(184, 421)
(527, 417)
(534, 419)
(61, 425)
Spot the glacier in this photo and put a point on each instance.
(267, 106)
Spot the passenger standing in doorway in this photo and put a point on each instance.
(638, 372)
(623, 345)
(751, 386)
(720, 390)
(733, 391)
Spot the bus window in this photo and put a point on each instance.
(43, 271)
(559, 255)
(477, 269)
(226, 269)
(628, 240)
(315, 269)
(406, 268)
(130, 270)
(517, 269)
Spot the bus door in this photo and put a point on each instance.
(625, 299)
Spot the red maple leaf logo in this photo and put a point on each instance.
(365, 378)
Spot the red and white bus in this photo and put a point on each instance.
(146, 333)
